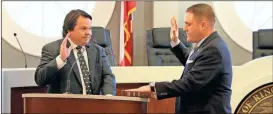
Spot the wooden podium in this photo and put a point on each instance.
(76, 103)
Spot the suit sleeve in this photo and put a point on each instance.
(47, 69)
(207, 67)
(181, 52)
(109, 80)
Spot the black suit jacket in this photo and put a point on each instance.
(47, 73)
(205, 85)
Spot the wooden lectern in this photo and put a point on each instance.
(76, 103)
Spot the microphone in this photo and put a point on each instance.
(15, 35)
(70, 70)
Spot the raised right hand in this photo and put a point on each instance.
(64, 51)
(174, 30)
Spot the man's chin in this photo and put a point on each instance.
(84, 43)
(189, 40)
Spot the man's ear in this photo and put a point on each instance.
(68, 32)
(204, 24)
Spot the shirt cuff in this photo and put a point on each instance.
(173, 44)
(60, 62)
(155, 94)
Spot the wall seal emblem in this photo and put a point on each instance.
(259, 100)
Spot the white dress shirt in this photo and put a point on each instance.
(173, 44)
(61, 63)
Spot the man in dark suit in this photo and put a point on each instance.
(74, 64)
(205, 85)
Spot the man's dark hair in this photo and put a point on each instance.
(71, 20)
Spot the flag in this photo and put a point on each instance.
(126, 33)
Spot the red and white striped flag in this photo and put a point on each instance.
(126, 33)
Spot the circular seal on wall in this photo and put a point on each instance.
(260, 100)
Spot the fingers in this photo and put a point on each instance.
(131, 90)
(173, 20)
(174, 23)
(65, 39)
(153, 95)
(174, 26)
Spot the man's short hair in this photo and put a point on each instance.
(202, 10)
(70, 20)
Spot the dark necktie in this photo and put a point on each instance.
(85, 72)
(194, 49)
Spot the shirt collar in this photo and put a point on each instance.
(73, 44)
(200, 42)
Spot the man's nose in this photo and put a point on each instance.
(88, 32)
(185, 28)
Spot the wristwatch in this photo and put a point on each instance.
(152, 86)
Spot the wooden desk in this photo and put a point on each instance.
(76, 103)
(154, 106)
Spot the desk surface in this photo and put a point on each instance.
(78, 96)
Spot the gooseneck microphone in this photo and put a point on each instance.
(15, 35)
(67, 91)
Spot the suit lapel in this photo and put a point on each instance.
(92, 60)
(204, 43)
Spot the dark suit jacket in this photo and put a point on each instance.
(102, 79)
(205, 85)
